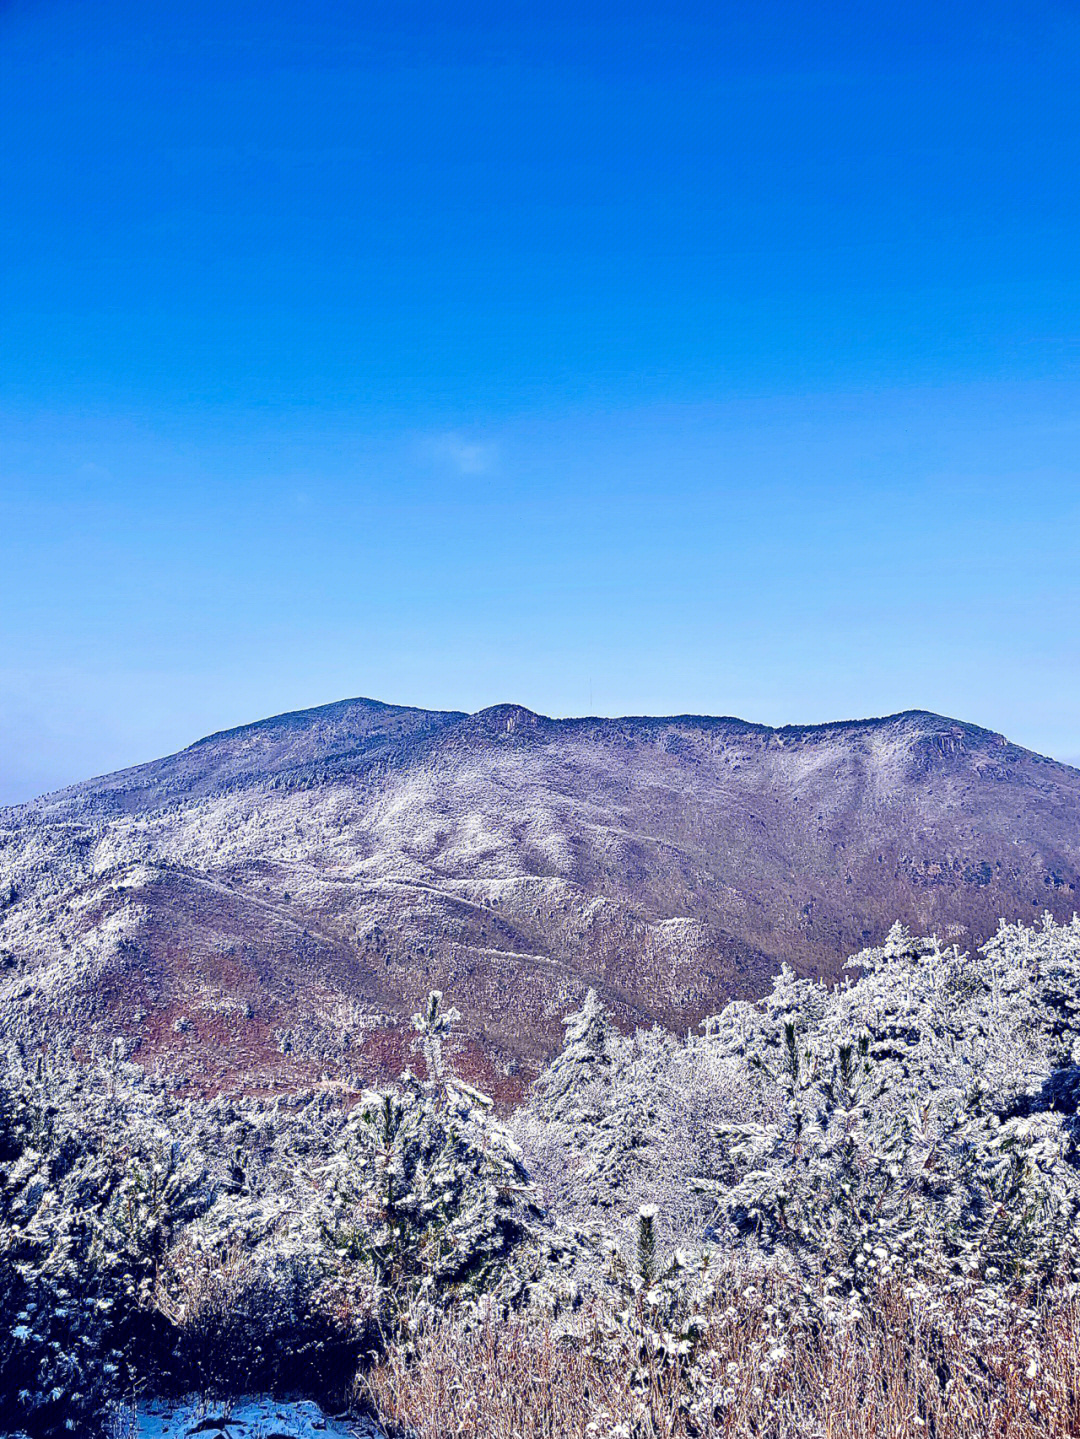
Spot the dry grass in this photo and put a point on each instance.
(900, 1371)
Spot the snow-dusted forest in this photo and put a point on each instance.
(835, 1207)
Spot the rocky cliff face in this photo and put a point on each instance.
(268, 906)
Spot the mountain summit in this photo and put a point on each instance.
(269, 905)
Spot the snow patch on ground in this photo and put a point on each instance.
(257, 1418)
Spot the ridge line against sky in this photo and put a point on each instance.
(688, 358)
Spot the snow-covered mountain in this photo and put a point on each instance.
(270, 904)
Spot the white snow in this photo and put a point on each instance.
(255, 1418)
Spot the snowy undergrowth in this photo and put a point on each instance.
(914, 1127)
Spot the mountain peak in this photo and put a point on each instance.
(509, 719)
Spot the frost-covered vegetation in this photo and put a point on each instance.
(868, 1192)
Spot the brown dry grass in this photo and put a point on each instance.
(897, 1374)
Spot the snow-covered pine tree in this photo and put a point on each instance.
(571, 1089)
(432, 1195)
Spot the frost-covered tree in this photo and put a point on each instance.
(921, 1118)
(86, 1213)
(573, 1086)
(432, 1024)
(433, 1199)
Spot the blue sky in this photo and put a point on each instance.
(617, 359)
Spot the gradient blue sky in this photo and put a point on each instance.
(618, 359)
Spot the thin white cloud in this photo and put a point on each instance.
(468, 457)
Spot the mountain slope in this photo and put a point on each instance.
(270, 904)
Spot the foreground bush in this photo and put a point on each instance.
(907, 1365)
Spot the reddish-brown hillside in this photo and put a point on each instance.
(267, 906)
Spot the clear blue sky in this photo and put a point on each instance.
(604, 358)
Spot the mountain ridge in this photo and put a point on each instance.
(274, 899)
(491, 715)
